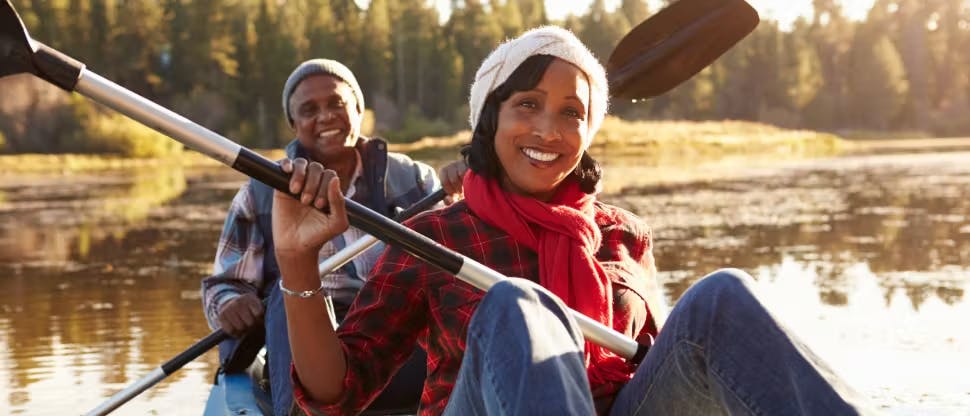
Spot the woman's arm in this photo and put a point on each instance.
(299, 232)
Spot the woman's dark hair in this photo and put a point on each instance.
(480, 153)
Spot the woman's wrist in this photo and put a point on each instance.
(298, 270)
(296, 255)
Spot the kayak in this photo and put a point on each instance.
(246, 393)
(240, 393)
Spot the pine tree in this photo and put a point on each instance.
(635, 11)
(602, 30)
(475, 33)
(877, 80)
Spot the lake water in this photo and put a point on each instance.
(867, 258)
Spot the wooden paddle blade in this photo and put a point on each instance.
(15, 50)
(675, 44)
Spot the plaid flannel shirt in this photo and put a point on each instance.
(405, 300)
(238, 266)
(240, 254)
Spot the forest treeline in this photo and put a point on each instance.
(223, 63)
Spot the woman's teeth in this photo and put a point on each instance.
(540, 156)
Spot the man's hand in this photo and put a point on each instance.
(240, 314)
(451, 176)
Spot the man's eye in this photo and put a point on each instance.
(308, 111)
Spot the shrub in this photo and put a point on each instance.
(416, 126)
(100, 131)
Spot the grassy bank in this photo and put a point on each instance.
(675, 140)
(656, 140)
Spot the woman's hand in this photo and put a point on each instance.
(451, 176)
(299, 227)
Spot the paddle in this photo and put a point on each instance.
(675, 44)
(20, 54)
(333, 262)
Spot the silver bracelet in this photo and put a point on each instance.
(300, 293)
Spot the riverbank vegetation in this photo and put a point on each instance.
(643, 139)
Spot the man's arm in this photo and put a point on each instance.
(230, 297)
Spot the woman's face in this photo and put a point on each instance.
(540, 134)
(325, 117)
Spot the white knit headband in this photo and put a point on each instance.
(546, 40)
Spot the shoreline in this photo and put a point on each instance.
(440, 149)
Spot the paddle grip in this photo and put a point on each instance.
(193, 352)
(56, 67)
(642, 350)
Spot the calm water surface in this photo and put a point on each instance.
(867, 258)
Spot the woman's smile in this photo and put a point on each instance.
(539, 156)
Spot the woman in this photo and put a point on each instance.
(530, 210)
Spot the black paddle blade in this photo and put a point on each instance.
(675, 44)
(15, 50)
(21, 54)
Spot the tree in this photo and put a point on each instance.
(376, 53)
(635, 11)
(831, 35)
(877, 80)
(602, 30)
(533, 13)
(475, 32)
(509, 16)
(136, 46)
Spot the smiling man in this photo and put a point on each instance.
(324, 105)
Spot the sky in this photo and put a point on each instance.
(784, 11)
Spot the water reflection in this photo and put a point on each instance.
(867, 257)
(59, 219)
(98, 285)
(902, 221)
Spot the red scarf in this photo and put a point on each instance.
(565, 236)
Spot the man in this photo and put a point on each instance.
(324, 105)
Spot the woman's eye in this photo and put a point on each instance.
(572, 112)
(528, 103)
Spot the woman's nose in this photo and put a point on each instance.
(546, 129)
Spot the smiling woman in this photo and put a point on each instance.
(531, 210)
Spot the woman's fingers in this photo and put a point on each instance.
(324, 198)
(311, 187)
(338, 207)
(308, 181)
(298, 175)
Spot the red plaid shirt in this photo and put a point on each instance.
(407, 301)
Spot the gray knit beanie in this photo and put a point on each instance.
(320, 67)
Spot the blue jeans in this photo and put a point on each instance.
(720, 352)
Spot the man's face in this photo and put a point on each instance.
(326, 117)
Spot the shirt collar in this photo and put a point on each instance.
(358, 172)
